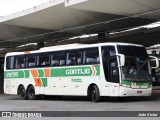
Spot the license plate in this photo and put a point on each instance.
(139, 92)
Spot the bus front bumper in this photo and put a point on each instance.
(124, 91)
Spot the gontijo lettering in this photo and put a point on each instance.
(78, 71)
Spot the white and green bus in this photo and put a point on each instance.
(104, 69)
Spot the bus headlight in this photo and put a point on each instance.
(149, 86)
(125, 85)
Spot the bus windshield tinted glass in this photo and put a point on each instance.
(132, 51)
(136, 69)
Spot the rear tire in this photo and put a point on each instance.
(22, 93)
(95, 96)
(31, 93)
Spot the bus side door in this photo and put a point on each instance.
(113, 77)
(105, 78)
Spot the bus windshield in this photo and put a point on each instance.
(136, 66)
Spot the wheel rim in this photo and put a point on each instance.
(93, 94)
(22, 92)
(30, 93)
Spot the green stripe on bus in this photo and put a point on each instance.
(56, 72)
(97, 69)
(16, 74)
(26, 73)
(40, 73)
(44, 81)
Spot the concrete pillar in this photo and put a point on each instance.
(1, 74)
(101, 37)
(40, 45)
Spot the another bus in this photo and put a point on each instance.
(104, 69)
(155, 71)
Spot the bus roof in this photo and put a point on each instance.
(62, 46)
(72, 46)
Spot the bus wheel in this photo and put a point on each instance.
(95, 96)
(22, 93)
(31, 93)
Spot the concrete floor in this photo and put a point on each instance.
(13, 103)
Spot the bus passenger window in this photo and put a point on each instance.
(55, 62)
(20, 62)
(91, 56)
(10, 62)
(58, 58)
(74, 57)
(43, 60)
(31, 61)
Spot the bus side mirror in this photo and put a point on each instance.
(122, 59)
(154, 62)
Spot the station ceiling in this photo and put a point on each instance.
(61, 19)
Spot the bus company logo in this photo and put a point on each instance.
(12, 74)
(78, 71)
(133, 84)
(6, 114)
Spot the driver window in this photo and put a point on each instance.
(108, 51)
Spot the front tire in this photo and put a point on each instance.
(22, 93)
(31, 93)
(95, 95)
